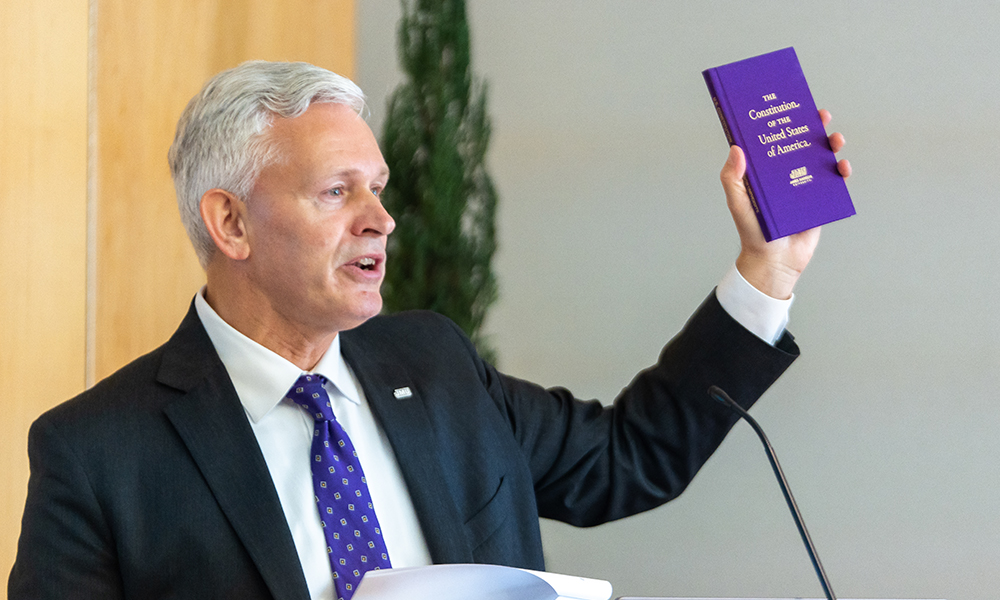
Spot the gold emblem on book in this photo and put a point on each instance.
(799, 176)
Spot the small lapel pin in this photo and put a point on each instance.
(401, 393)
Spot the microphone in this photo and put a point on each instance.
(716, 393)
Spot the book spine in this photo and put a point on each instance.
(735, 138)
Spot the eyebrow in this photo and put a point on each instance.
(354, 171)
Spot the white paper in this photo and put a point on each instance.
(477, 582)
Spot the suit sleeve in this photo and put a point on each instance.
(593, 463)
(65, 543)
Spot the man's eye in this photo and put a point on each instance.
(377, 191)
(336, 192)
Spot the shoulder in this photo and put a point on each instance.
(134, 396)
(102, 425)
(411, 322)
(425, 343)
(121, 391)
(410, 331)
(150, 381)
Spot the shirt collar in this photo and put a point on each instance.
(262, 377)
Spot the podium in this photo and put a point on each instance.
(492, 582)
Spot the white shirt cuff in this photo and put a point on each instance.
(762, 315)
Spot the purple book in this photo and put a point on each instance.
(767, 110)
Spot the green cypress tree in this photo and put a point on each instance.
(434, 139)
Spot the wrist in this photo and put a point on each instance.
(773, 279)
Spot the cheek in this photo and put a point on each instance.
(289, 242)
(297, 248)
(281, 262)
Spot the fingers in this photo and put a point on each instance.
(844, 167)
(837, 141)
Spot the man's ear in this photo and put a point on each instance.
(224, 215)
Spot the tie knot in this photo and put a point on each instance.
(308, 392)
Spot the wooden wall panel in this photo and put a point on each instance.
(147, 58)
(153, 56)
(43, 207)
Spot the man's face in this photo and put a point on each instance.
(315, 225)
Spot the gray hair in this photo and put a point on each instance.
(221, 139)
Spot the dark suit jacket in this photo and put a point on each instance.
(151, 484)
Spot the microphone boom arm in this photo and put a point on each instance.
(716, 393)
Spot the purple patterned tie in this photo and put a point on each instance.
(353, 537)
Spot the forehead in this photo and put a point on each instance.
(326, 132)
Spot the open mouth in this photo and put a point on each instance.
(366, 264)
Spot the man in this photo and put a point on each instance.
(194, 471)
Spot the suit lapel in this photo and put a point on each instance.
(397, 401)
(214, 427)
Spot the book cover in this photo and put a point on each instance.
(767, 110)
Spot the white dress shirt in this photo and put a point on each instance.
(764, 316)
(284, 433)
(284, 430)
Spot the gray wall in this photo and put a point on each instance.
(613, 227)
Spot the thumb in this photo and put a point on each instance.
(733, 171)
(732, 183)
(740, 206)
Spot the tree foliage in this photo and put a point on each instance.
(435, 138)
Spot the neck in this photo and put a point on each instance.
(246, 310)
